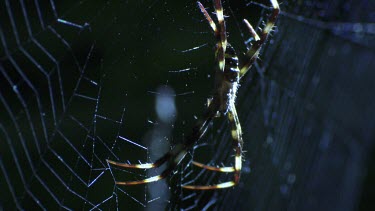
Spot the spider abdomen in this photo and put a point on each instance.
(227, 81)
(231, 70)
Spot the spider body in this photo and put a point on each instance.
(227, 81)
(228, 73)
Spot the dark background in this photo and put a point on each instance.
(69, 92)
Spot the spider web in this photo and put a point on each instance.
(86, 81)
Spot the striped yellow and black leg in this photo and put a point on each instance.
(222, 34)
(236, 133)
(219, 32)
(254, 50)
(173, 158)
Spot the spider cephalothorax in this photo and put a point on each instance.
(228, 73)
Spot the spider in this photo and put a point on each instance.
(227, 78)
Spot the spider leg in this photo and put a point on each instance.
(222, 34)
(236, 133)
(253, 52)
(156, 164)
(213, 168)
(220, 31)
(174, 156)
(207, 16)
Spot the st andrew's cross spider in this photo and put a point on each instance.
(227, 77)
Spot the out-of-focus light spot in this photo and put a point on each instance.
(269, 139)
(291, 178)
(284, 189)
(357, 28)
(325, 140)
(165, 104)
